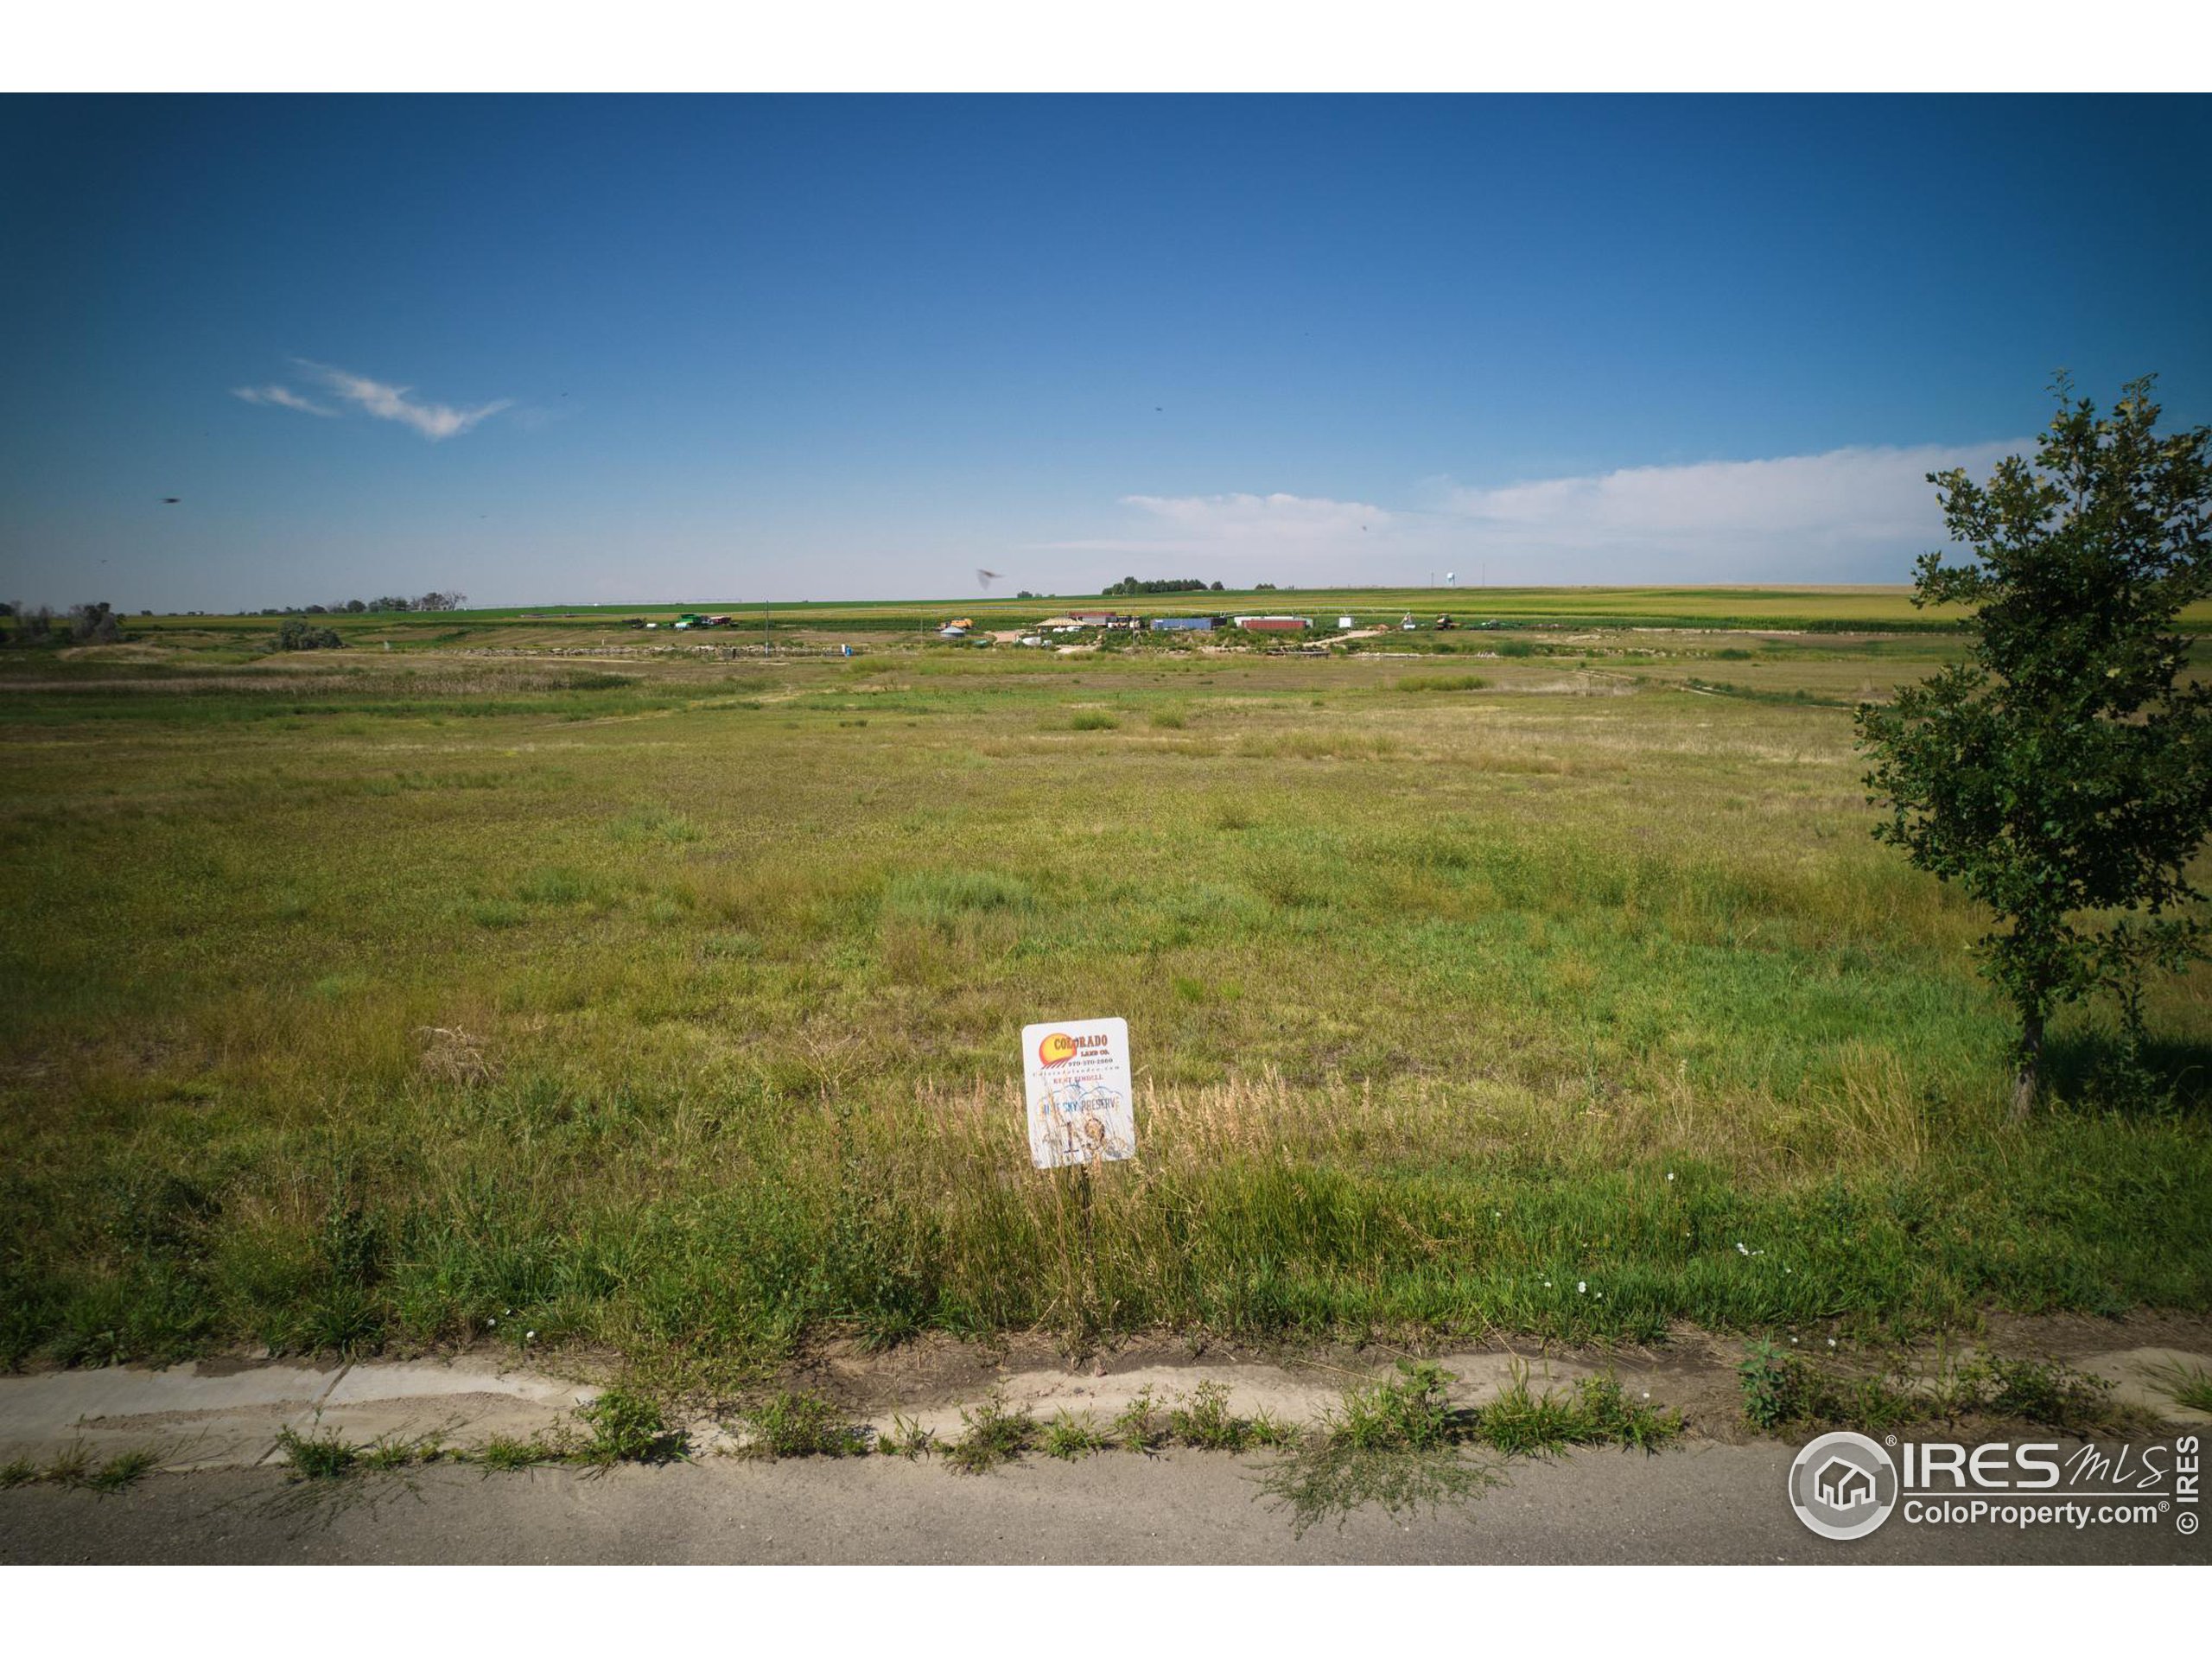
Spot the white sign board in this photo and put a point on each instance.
(1082, 1106)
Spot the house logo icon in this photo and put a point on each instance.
(1843, 1485)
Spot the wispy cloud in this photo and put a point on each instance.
(1845, 515)
(1856, 498)
(281, 397)
(435, 422)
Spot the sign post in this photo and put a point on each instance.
(1082, 1114)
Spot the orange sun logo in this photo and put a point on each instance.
(1056, 1049)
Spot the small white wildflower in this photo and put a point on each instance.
(1793, 1342)
(1831, 1342)
(1670, 1174)
(490, 1322)
(1582, 1287)
(1647, 1394)
(529, 1336)
(1740, 1250)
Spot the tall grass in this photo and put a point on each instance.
(690, 1028)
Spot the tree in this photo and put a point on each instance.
(2062, 774)
(93, 623)
(296, 635)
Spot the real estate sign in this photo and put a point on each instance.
(1081, 1105)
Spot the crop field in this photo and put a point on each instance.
(1787, 610)
(385, 999)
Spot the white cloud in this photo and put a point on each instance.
(389, 403)
(1268, 518)
(1845, 514)
(1839, 498)
(281, 397)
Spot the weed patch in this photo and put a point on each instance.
(1071, 1435)
(123, 1471)
(1400, 1443)
(2187, 1385)
(1787, 1393)
(625, 1427)
(801, 1425)
(319, 1456)
(990, 1435)
(906, 1438)
(1140, 1426)
(1205, 1422)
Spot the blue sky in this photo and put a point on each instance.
(784, 347)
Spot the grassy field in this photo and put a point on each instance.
(394, 998)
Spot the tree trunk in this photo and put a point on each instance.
(2027, 1079)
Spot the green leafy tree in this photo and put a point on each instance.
(2062, 774)
(296, 635)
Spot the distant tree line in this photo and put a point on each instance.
(98, 623)
(1163, 585)
(430, 601)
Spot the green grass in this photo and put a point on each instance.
(1596, 1411)
(1786, 1393)
(390, 1453)
(360, 1000)
(74, 1467)
(509, 1454)
(621, 1426)
(2188, 1385)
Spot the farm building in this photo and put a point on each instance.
(1273, 624)
(1185, 624)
